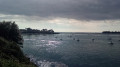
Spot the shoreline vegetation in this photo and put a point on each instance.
(36, 31)
(10, 53)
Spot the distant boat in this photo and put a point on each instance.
(109, 38)
(93, 40)
(60, 39)
(111, 43)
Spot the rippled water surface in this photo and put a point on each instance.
(73, 50)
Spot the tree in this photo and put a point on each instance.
(10, 31)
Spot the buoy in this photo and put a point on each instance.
(78, 40)
(93, 40)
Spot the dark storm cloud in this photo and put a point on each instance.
(74, 9)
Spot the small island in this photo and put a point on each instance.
(111, 32)
(36, 31)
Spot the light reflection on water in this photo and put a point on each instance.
(60, 50)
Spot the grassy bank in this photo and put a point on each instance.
(12, 56)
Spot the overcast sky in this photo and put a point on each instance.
(63, 15)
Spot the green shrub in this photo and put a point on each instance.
(10, 31)
(12, 56)
(10, 53)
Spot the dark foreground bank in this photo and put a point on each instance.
(12, 56)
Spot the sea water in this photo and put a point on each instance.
(73, 49)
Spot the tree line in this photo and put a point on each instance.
(10, 31)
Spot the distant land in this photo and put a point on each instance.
(51, 31)
(36, 31)
(111, 32)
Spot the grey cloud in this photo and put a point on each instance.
(74, 9)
